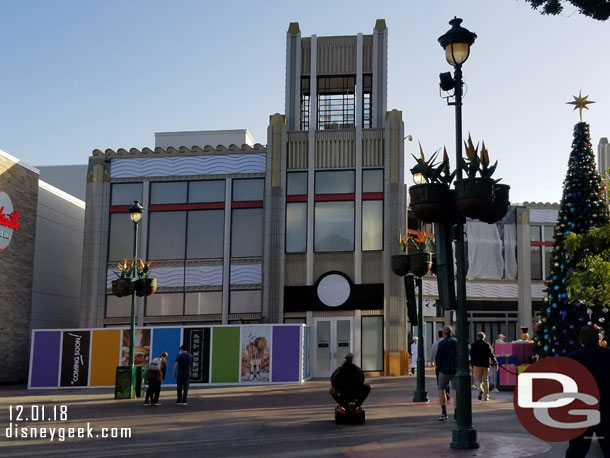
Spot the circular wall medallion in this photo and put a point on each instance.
(8, 220)
(333, 289)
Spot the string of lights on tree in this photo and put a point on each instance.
(582, 208)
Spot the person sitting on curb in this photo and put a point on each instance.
(347, 385)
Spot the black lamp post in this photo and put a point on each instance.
(420, 394)
(135, 214)
(457, 42)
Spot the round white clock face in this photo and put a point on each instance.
(333, 290)
(8, 220)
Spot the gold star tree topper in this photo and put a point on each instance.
(580, 102)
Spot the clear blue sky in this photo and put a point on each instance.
(80, 75)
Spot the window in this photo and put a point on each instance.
(168, 192)
(247, 232)
(207, 191)
(336, 102)
(205, 234)
(334, 226)
(248, 190)
(165, 304)
(541, 248)
(372, 225)
(372, 180)
(203, 303)
(166, 235)
(118, 306)
(245, 301)
(120, 241)
(372, 343)
(296, 183)
(305, 96)
(296, 227)
(126, 193)
(335, 182)
(367, 100)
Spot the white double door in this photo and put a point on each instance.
(333, 340)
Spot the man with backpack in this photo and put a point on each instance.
(154, 377)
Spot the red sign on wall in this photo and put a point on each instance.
(9, 220)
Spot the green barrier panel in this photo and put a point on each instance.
(225, 355)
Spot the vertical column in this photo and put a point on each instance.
(395, 321)
(293, 74)
(524, 268)
(358, 203)
(226, 256)
(313, 122)
(143, 244)
(380, 73)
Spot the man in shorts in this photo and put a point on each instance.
(446, 362)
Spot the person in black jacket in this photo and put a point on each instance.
(481, 358)
(597, 360)
(347, 385)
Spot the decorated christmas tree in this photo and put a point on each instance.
(582, 208)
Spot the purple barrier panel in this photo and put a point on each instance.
(286, 353)
(45, 359)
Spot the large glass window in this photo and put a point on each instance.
(367, 101)
(165, 304)
(205, 237)
(166, 235)
(372, 225)
(120, 242)
(335, 182)
(334, 226)
(535, 233)
(536, 262)
(203, 303)
(305, 96)
(245, 301)
(540, 250)
(168, 192)
(207, 191)
(296, 227)
(118, 306)
(247, 232)
(336, 102)
(296, 183)
(372, 343)
(248, 190)
(372, 180)
(125, 193)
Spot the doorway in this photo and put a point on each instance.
(333, 340)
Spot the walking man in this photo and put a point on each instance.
(182, 373)
(446, 362)
(433, 357)
(481, 357)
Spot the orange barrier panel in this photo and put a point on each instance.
(105, 348)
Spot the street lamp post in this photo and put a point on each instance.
(457, 42)
(135, 214)
(420, 395)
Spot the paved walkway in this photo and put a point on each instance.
(262, 421)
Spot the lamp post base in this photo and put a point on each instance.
(420, 395)
(464, 438)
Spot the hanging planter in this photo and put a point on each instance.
(421, 263)
(123, 287)
(429, 202)
(145, 286)
(474, 196)
(433, 269)
(400, 264)
(500, 204)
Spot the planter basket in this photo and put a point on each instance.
(474, 196)
(430, 202)
(500, 206)
(146, 286)
(123, 287)
(421, 263)
(400, 264)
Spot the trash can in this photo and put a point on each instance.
(124, 388)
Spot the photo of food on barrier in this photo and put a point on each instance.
(141, 349)
(255, 353)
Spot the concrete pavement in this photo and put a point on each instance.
(260, 421)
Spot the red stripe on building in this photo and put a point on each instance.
(119, 208)
(542, 243)
(179, 207)
(300, 198)
(248, 204)
(331, 197)
(372, 196)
